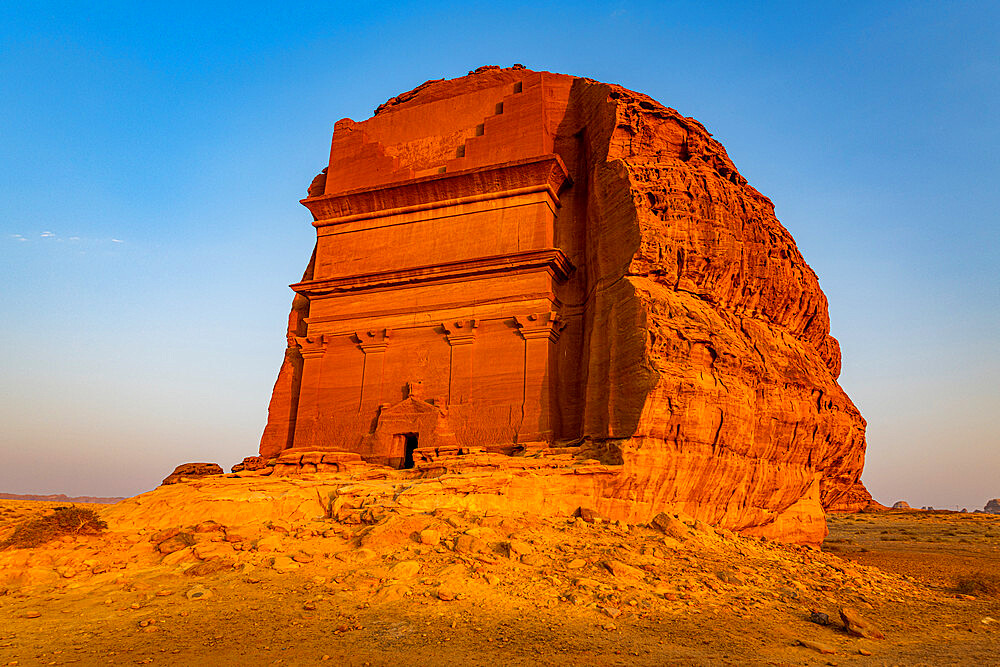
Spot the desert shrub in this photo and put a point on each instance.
(63, 521)
(982, 584)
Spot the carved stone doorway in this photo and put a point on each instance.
(406, 443)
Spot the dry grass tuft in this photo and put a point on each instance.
(981, 584)
(61, 522)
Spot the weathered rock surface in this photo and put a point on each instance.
(192, 471)
(516, 260)
(856, 499)
(901, 505)
(992, 506)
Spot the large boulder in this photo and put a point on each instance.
(192, 471)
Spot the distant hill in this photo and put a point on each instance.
(60, 498)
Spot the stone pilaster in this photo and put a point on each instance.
(460, 334)
(540, 332)
(373, 344)
(312, 349)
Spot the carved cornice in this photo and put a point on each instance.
(551, 259)
(460, 332)
(376, 340)
(311, 346)
(540, 325)
(547, 173)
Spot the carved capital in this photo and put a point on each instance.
(311, 346)
(375, 340)
(540, 325)
(460, 332)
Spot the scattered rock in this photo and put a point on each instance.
(430, 537)
(901, 505)
(729, 577)
(32, 614)
(467, 544)
(857, 626)
(623, 571)
(670, 526)
(270, 543)
(588, 515)
(206, 568)
(519, 548)
(175, 542)
(198, 593)
(825, 649)
(284, 564)
(404, 569)
(819, 617)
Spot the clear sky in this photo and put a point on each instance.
(152, 159)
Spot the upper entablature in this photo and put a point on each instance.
(483, 119)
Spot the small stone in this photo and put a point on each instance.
(270, 543)
(404, 569)
(446, 594)
(175, 542)
(430, 537)
(817, 646)
(857, 626)
(670, 526)
(32, 614)
(534, 560)
(309, 605)
(623, 571)
(284, 564)
(729, 577)
(198, 593)
(863, 651)
(302, 557)
(576, 563)
(819, 617)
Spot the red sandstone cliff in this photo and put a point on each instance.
(698, 338)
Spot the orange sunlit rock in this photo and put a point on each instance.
(525, 263)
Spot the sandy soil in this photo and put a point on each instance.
(511, 590)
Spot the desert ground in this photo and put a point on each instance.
(389, 586)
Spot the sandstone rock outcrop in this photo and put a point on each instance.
(992, 506)
(901, 505)
(192, 471)
(514, 262)
(855, 499)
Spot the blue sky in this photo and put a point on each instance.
(151, 164)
